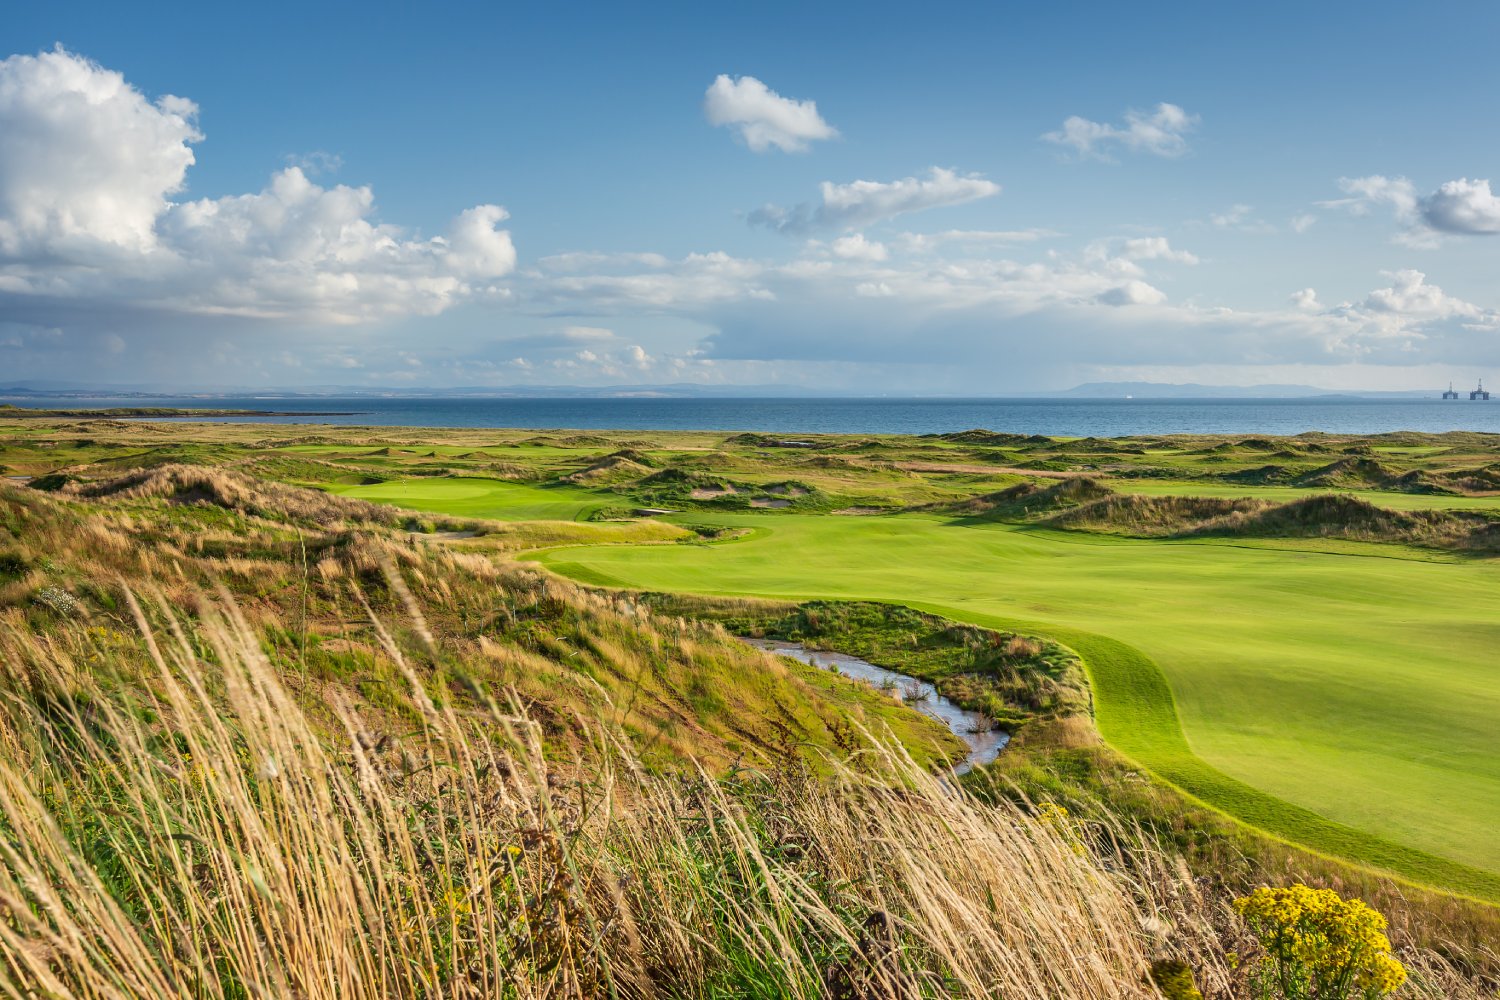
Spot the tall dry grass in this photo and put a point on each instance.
(199, 839)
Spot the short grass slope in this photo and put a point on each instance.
(488, 498)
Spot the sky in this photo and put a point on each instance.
(972, 199)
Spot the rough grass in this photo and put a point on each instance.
(683, 690)
(1319, 516)
(616, 468)
(1027, 499)
(187, 484)
(207, 837)
(1259, 649)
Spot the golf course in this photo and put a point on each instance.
(1306, 647)
(1341, 700)
(1352, 688)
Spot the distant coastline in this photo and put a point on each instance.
(14, 412)
(1061, 417)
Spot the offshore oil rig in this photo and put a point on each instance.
(1478, 393)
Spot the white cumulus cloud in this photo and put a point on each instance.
(1160, 132)
(87, 162)
(88, 170)
(863, 203)
(763, 118)
(1306, 298)
(1463, 206)
(1411, 297)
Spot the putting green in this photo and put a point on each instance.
(493, 498)
(1345, 702)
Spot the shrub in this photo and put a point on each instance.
(1320, 946)
(1174, 980)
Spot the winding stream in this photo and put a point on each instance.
(974, 728)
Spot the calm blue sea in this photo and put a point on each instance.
(1068, 417)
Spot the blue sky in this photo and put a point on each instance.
(1299, 198)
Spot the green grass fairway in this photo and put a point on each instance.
(1347, 703)
(491, 498)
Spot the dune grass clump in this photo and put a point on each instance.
(192, 484)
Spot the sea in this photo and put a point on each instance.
(885, 415)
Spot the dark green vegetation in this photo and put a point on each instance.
(1011, 678)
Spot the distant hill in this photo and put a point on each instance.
(1192, 390)
(680, 390)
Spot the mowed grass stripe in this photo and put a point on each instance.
(490, 498)
(1137, 715)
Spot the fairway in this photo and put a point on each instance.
(492, 498)
(1357, 689)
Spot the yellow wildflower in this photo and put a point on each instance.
(1321, 944)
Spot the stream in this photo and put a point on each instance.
(984, 743)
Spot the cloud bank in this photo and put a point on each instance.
(89, 168)
(106, 260)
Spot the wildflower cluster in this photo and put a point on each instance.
(58, 601)
(1321, 946)
(1050, 814)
